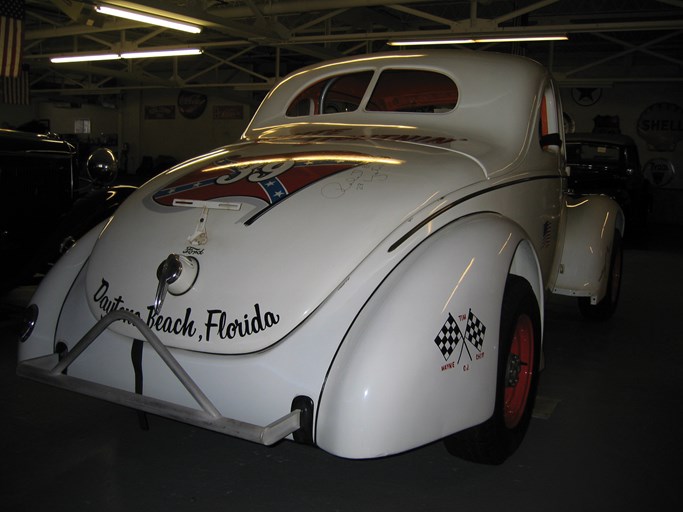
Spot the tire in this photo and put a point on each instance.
(606, 307)
(493, 441)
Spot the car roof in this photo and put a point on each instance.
(601, 138)
(14, 141)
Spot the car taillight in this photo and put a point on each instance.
(28, 322)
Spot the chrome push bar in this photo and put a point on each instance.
(50, 369)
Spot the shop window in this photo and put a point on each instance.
(82, 126)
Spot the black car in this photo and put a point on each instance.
(42, 208)
(609, 164)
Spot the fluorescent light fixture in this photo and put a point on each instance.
(161, 53)
(492, 39)
(148, 18)
(430, 42)
(513, 39)
(85, 58)
(142, 54)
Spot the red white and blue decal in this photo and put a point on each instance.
(270, 179)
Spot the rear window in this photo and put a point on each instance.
(396, 90)
(588, 153)
(341, 93)
(403, 90)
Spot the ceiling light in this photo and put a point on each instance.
(161, 53)
(142, 54)
(471, 40)
(85, 58)
(430, 42)
(148, 18)
(518, 39)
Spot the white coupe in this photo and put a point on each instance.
(365, 270)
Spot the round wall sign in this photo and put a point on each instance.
(661, 126)
(586, 96)
(191, 105)
(569, 125)
(659, 171)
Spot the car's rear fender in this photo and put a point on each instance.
(52, 291)
(391, 386)
(583, 267)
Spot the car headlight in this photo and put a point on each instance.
(102, 166)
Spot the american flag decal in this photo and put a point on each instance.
(271, 180)
(450, 336)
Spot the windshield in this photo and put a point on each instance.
(396, 90)
(586, 153)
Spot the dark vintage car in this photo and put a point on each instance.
(42, 208)
(609, 164)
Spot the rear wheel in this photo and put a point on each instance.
(606, 307)
(517, 381)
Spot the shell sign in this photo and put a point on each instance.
(661, 126)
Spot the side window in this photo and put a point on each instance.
(410, 90)
(342, 93)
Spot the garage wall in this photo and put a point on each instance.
(150, 122)
(12, 116)
(63, 116)
(659, 110)
(178, 125)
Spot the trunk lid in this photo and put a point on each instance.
(274, 227)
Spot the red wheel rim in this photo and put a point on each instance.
(519, 372)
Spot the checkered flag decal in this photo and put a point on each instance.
(475, 330)
(448, 338)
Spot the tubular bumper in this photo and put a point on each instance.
(49, 370)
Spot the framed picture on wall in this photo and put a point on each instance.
(221, 112)
(160, 112)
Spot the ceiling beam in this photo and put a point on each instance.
(299, 6)
(522, 30)
(643, 47)
(521, 12)
(621, 54)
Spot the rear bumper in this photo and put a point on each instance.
(51, 370)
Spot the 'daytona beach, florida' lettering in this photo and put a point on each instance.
(215, 325)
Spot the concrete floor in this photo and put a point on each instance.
(606, 435)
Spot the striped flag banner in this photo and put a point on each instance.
(11, 37)
(16, 91)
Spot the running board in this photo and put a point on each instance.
(50, 370)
